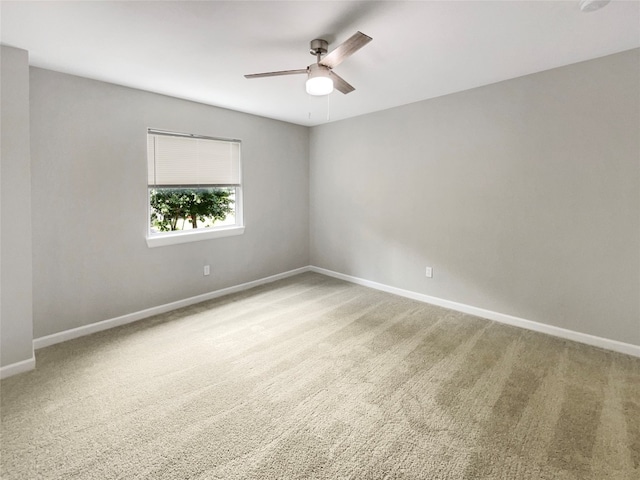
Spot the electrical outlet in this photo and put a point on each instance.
(429, 272)
(207, 270)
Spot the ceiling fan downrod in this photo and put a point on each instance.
(318, 47)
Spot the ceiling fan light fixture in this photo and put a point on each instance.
(319, 82)
(319, 86)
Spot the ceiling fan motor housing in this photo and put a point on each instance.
(316, 70)
(318, 46)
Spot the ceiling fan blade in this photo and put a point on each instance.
(345, 49)
(276, 74)
(340, 84)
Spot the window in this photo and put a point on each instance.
(194, 188)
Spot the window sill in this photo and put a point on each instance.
(163, 239)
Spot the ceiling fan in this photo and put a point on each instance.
(320, 78)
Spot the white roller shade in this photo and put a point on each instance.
(176, 161)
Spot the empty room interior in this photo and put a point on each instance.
(320, 240)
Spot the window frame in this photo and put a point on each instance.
(175, 237)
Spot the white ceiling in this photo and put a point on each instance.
(420, 49)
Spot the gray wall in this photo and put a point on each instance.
(524, 196)
(15, 209)
(91, 261)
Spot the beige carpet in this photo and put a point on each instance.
(314, 378)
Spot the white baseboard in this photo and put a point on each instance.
(605, 343)
(18, 367)
(42, 342)
(59, 337)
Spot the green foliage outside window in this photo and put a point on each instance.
(172, 207)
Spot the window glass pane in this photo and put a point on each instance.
(175, 209)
